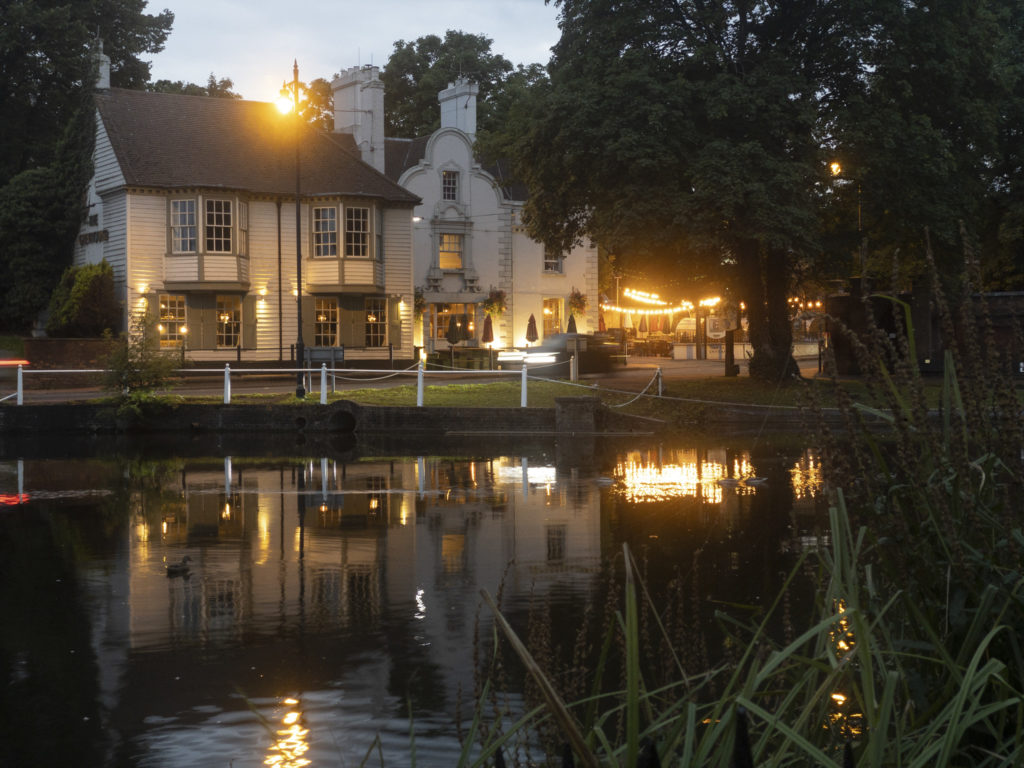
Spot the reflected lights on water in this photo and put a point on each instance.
(291, 742)
(661, 475)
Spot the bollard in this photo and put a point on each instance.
(419, 385)
(323, 383)
(21, 388)
(522, 397)
(227, 384)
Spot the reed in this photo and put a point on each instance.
(914, 657)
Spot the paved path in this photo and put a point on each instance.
(633, 377)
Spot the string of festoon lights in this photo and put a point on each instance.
(655, 304)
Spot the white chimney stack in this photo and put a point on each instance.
(458, 106)
(359, 110)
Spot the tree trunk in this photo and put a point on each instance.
(763, 277)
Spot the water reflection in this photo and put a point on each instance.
(355, 581)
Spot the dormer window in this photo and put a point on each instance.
(450, 185)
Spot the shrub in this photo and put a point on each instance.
(84, 304)
(136, 363)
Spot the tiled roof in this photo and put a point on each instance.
(172, 141)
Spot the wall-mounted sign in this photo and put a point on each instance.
(100, 236)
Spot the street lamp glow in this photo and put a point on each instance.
(284, 102)
(835, 167)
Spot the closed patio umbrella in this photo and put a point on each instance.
(454, 332)
(571, 327)
(487, 337)
(642, 328)
(531, 330)
(600, 324)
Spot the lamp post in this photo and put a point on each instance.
(290, 100)
(837, 171)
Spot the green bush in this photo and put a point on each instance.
(84, 304)
(136, 363)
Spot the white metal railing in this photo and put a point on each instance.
(19, 393)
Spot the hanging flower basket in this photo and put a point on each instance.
(577, 302)
(419, 302)
(495, 304)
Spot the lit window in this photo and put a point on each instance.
(376, 321)
(183, 226)
(449, 185)
(450, 251)
(325, 330)
(172, 328)
(357, 232)
(552, 261)
(218, 226)
(552, 316)
(441, 318)
(325, 232)
(229, 321)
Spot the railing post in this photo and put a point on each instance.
(323, 383)
(21, 387)
(659, 382)
(227, 384)
(574, 370)
(522, 388)
(419, 385)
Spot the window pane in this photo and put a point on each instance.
(183, 226)
(450, 254)
(376, 322)
(172, 328)
(449, 185)
(357, 232)
(218, 226)
(552, 316)
(552, 261)
(325, 332)
(325, 232)
(229, 321)
(441, 316)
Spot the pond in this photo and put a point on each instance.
(331, 596)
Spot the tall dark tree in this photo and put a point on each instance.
(932, 139)
(40, 212)
(685, 135)
(416, 72)
(47, 56)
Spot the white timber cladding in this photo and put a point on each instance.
(107, 173)
(398, 269)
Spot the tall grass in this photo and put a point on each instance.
(915, 655)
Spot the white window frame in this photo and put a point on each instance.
(326, 315)
(451, 243)
(358, 232)
(450, 186)
(172, 320)
(243, 228)
(218, 225)
(184, 228)
(376, 309)
(229, 321)
(553, 264)
(325, 231)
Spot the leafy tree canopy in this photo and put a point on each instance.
(219, 87)
(47, 59)
(417, 71)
